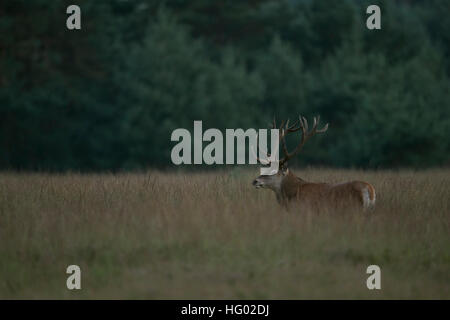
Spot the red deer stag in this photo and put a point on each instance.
(288, 187)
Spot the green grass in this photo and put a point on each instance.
(212, 235)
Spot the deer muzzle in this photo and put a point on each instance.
(257, 183)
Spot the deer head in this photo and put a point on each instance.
(273, 181)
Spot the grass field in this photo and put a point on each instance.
(212, 235)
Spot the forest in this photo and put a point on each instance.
(107, 97)
(87, 179)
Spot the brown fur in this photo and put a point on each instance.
(319, 195)
(289, 187)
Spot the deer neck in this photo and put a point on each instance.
(288, 187)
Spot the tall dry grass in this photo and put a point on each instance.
(212, 235)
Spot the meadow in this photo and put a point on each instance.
(211, 235)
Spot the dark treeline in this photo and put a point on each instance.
(107, 97)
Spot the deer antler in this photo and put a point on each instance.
(300, 124)
(284, 129)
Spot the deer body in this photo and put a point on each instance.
(289, 188)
